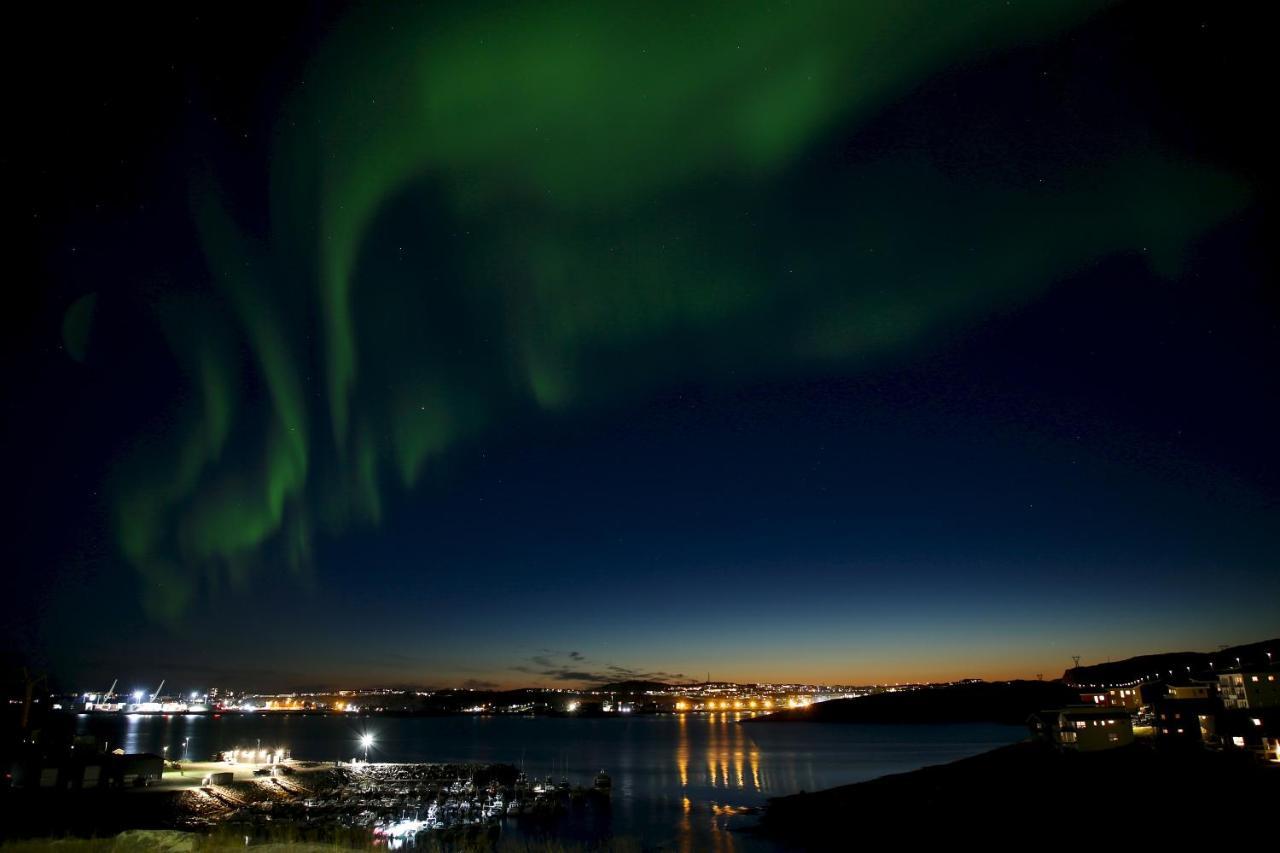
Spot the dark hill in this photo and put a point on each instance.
(1029, 787)
(630, 687)
(1181, 664)
(982, 702)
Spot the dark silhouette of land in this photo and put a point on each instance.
(1175, 664)
(633, 686)
(1013, 701)
(1137, 791)
(982, 702)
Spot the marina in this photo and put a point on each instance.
(401, 803)
(670, 779)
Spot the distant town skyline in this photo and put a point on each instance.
(587, 677)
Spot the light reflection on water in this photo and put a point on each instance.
(678, 780)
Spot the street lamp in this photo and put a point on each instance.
(366, 741)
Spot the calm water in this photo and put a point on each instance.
(677, 780)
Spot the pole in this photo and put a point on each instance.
(29, 695)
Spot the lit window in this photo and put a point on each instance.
(1238, 741)
(1255, 678)
(1257, 722)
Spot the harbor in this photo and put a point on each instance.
(392, 804)
(399, 803)
(675, 779)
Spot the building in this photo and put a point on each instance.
(1132, 698)
(62, 768)
(1249, 691)
(136, 769)
(1203, 690)
(1187, 720)
(1257, 731)
(1083, 728)
(1129, 698)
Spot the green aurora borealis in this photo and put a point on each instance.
(481, 218)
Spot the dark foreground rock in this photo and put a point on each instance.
(1028, 789)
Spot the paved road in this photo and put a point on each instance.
(193, 773)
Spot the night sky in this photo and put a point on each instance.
(518, 344)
